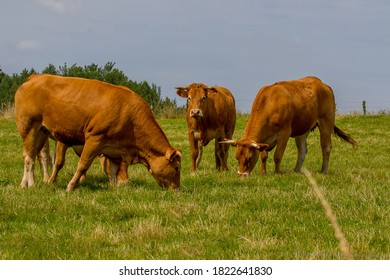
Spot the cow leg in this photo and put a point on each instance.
(119, 172)
(29, 153)
(218, 155)
(78, 150)
(105, 165)
(29, 159)
(264, 157)
(34, 141)
(196, 152)
(45, 160)
(59, 160)
(114, 170)
(122, 176)
(111, 168)
(281, 145)
(225, 149)
(221, 154)
(90, 151)
(326, 128)
(300, 142)
(219, 158)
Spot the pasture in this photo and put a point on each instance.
(217, 215)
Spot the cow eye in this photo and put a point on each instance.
(189, 99)
(204, 98)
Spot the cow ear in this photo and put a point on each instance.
(259, 146)
(182, 91)
(212, 89)
(172, 154)
(229, 142)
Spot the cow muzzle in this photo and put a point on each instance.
(243, 174)
(173, 188)
(196, 113)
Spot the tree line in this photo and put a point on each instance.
(151, 93)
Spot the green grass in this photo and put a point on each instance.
(217, 215)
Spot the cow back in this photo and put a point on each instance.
(297, 104)
(222, 109)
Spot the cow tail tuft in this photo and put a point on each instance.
(344, 136)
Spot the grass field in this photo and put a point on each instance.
(217, 215)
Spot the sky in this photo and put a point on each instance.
(241, 45)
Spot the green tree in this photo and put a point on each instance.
(51, 69)
(2, 74)
(9, 85)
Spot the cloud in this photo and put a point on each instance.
(61, 7)
(29, 45)
(57, 6)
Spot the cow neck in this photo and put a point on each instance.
(254, 131)
(152, 142)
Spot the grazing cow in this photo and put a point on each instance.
(283, 110)
(211, 114)
(60, 151)
(106, 119)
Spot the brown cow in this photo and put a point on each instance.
(106, 119)
(211, 114)
(283, 110)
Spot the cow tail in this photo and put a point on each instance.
(344, 136)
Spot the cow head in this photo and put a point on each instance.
(166, 169)
(247, 154)
(197, 95)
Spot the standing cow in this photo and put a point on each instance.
(283, 110)
(106, 119)
(211, 114)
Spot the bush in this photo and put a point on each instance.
(9, 84)
(168, 109)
